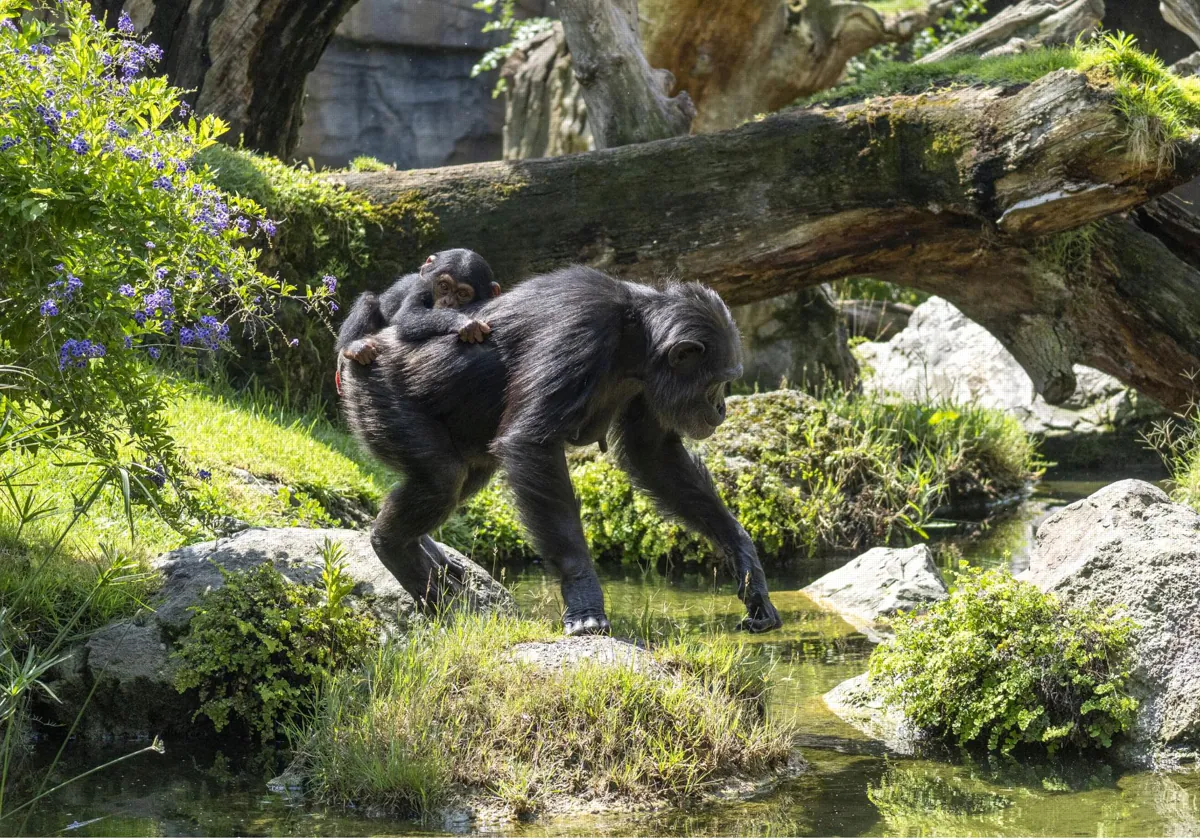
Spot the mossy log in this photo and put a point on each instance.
(967, 193)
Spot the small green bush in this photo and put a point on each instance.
(117, 249)
(1002, 664)
(257, 647)
(803, 476)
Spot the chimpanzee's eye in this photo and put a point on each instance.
(465, 293)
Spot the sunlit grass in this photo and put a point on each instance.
(448, 710)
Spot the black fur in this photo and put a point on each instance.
(408, 303)
(573, 356)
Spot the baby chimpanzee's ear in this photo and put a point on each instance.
(430, 258)
(495, 289)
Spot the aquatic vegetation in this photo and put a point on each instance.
(1003, 665)
(448, 710)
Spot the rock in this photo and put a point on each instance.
(800, 337)
(131, 659)
(877, 585)
(1129, 546)
(877, 320)
(857, 703)
(942, 354)
(573, 651)
(395, 83)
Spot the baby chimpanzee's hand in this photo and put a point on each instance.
(474, 332)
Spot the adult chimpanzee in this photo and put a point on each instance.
(573, 356)
(422, 305)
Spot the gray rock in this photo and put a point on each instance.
(942, 354)
(395, 83)
(800, 337)
(570, 652)
(1129, 546)
(860, 705)
(131, 660)
(874, 586)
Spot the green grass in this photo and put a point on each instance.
(1159, 107)
(803, 477)
(317, 464)
(446, 710)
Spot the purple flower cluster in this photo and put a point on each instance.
(125, 24)
(8, 142)
(160, 301)
(8, 24)
(49, 308)
(133, 153)
(203, 475)
(330, 283)
(50, 116)
(79, 145)
(68, 286)
(77, 351)
(209, 333)
(268, 227)
(136, 57)
(116, 129)
(126, 290)
(162, 182)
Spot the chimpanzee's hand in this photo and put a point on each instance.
(362, 351)
(761, 615)
(474, 332)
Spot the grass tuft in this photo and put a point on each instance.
(448, 711)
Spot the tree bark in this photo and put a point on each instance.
(1184, 15)
(954, 192)
(627, 101)
(247, 60)
(1028, 24)
(544, 111)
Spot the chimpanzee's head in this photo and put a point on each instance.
(459, 276)
(695, 352)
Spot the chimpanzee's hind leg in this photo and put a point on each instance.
(424, 500)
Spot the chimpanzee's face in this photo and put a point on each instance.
(696, 357)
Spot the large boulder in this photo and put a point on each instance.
(1128, 545)
(943, 354)
(877, 585)
(130, 663)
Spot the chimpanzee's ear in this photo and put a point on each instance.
(685, 354)
(430, 258)
(495, 289)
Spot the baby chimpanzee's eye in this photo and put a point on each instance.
(465, 294)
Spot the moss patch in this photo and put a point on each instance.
(1159, 107)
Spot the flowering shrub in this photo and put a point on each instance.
(116, 250)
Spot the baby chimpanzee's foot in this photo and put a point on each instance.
(362, 351)
(589, 624)
(474, 332)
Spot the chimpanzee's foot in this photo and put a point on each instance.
(362, 351)
(761, 615)
(586, 624)
(442, 578)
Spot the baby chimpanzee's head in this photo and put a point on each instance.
(459, 277)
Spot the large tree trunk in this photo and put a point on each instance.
(247, 60)
(1027, 24)
(961, 193)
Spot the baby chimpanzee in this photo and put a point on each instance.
(422, 305)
